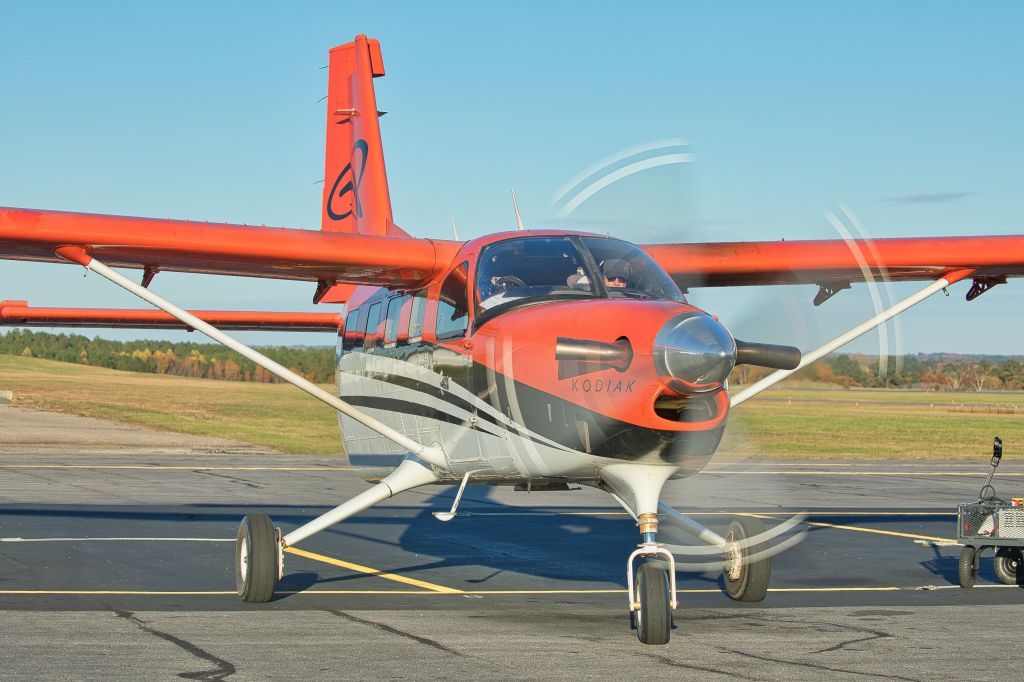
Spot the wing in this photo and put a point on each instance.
(837, 262)
(184, 246)
(20, 314)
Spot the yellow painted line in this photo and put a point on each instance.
(973, 474)
(372, 571)
(840, 513)
(822, 524)
(124, 592)
(167, 468)
(545, 513)
(924, 463)
(424, 592)
(604, 591)
(721, 513)
(839, 589)
(724, 465)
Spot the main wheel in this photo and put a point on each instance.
(256, 557)
(1008, 566)
(968, 566)
(654, 617)
(746, 580)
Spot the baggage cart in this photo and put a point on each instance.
(994, 523)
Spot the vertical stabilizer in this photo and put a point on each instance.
(355, 182)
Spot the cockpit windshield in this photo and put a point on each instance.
(527, 268)
(629, 272)
(534, 269)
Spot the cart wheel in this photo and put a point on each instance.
(968, 566)
(1008, 566)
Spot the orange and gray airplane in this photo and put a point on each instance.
(534, 358)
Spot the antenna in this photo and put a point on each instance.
(455, 230)
(519, 218)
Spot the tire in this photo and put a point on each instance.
(256, 558)
(968, 571)
(751, 585)
(654, 617)
(1008, 566)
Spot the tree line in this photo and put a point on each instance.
(930, 371)
(204, 360)
(935, 371)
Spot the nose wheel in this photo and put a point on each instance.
(746, 574)
(653, 615)
(652, 592)
(258, 558)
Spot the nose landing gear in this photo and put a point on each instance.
(744, 554)
(652, 586)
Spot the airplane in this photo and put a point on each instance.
(534, 358)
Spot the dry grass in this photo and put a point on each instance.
(798, 422)
(875, 424)
(277, 416)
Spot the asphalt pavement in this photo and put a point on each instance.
(118, 565)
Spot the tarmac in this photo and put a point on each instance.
(116, 563)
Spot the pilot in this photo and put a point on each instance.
(616, 273)
(499, 293)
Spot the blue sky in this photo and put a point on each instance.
(909, 114)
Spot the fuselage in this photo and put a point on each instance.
(525, 362)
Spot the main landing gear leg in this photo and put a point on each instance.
(746, 550)
(259, 549)
(650, 570)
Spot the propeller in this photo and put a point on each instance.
(645, 194)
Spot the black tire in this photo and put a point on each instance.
(256, 557)
(968, 568)
(752, 582)
(1008, 566)
(654, 617)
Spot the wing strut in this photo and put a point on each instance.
(430, 454)
(843, 339)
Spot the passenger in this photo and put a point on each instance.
(616, 273)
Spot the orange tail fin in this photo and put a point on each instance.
(355, 181)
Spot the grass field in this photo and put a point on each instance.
(874, 424)
(277, 416)
(785, 422)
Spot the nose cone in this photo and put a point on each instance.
(693, 352)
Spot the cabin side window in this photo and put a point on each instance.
(372, 322)
(352, 331)
(417, 314)
(391, 321)
(453, 305)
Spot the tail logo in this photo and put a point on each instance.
(352, 179)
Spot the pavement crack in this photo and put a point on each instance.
(233, 479)
(814, 666)
(426, 641)
(223, 670)
(665, 660)
(872, 635)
